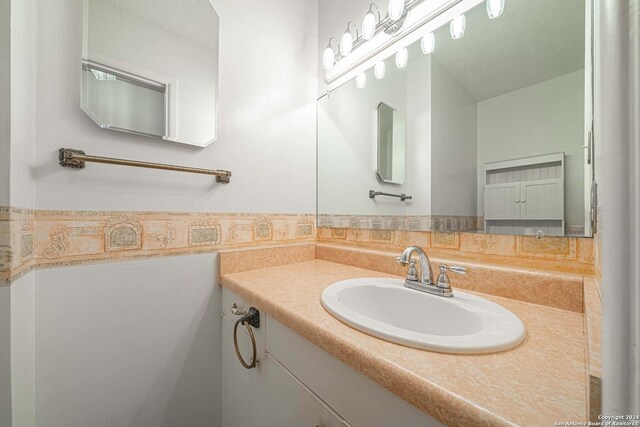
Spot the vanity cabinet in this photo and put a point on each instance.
(267, 395)
(298, 384)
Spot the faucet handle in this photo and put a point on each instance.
(456, 269)
(412, 274)
(443, 277)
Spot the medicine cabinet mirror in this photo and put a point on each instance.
(150, 67)
(493, 129)
(391, 135)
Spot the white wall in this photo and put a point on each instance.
(541, 119)
(20, 295)
(5, 356)
(454, 151)
(23, 351)
(130, 343)
(268, 72)
(5, 125)
(23, 102)
(5, 99)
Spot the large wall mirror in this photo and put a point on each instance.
(150, 67)
(495, 125)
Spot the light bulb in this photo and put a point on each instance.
(378, 70)
(402, 57)
(396, 9)
(328, 58)
(368, 26)
(428, 43)
(457, 27)
(361, 80)
(346, 42)
(495, 8)
(370, 21)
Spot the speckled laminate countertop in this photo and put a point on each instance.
(541, 381)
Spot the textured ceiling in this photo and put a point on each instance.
(192, 19)
(532, 41)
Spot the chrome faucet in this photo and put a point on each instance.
(425, 283)
(425, 266)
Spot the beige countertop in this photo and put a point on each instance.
(541, 381)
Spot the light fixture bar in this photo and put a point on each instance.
(380, 26)
(425, 16)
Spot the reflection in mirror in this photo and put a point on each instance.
(495, 130)
(391, 147)
(150, 67)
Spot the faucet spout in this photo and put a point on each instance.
(426, 275)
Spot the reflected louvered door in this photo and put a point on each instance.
(502, 201)
(542, 199)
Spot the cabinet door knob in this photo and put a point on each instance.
(517, 200)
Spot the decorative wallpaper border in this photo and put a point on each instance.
(443, 223)
(40, 238)
(400, 222)
(17, 242)
(30, 239)
(563, 254)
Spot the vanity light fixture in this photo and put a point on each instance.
(379, 70)
(428, 43)
(370, 22)
(395, 9)
(402, 57)
(457, 27)
(361, 80)
(329, 55)
(373, 22)
(495, 8)
(346, 42)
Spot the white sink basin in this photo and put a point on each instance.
(386, 309)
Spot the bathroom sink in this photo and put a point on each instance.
(386, 309)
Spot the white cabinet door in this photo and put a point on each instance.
(501, 201)
(243, 390)
(268, 395)
(358, 400)
(542, 199)
(290, 403)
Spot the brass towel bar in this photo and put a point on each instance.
(71, 158)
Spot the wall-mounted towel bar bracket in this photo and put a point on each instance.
(402, 197)
(76, 159)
